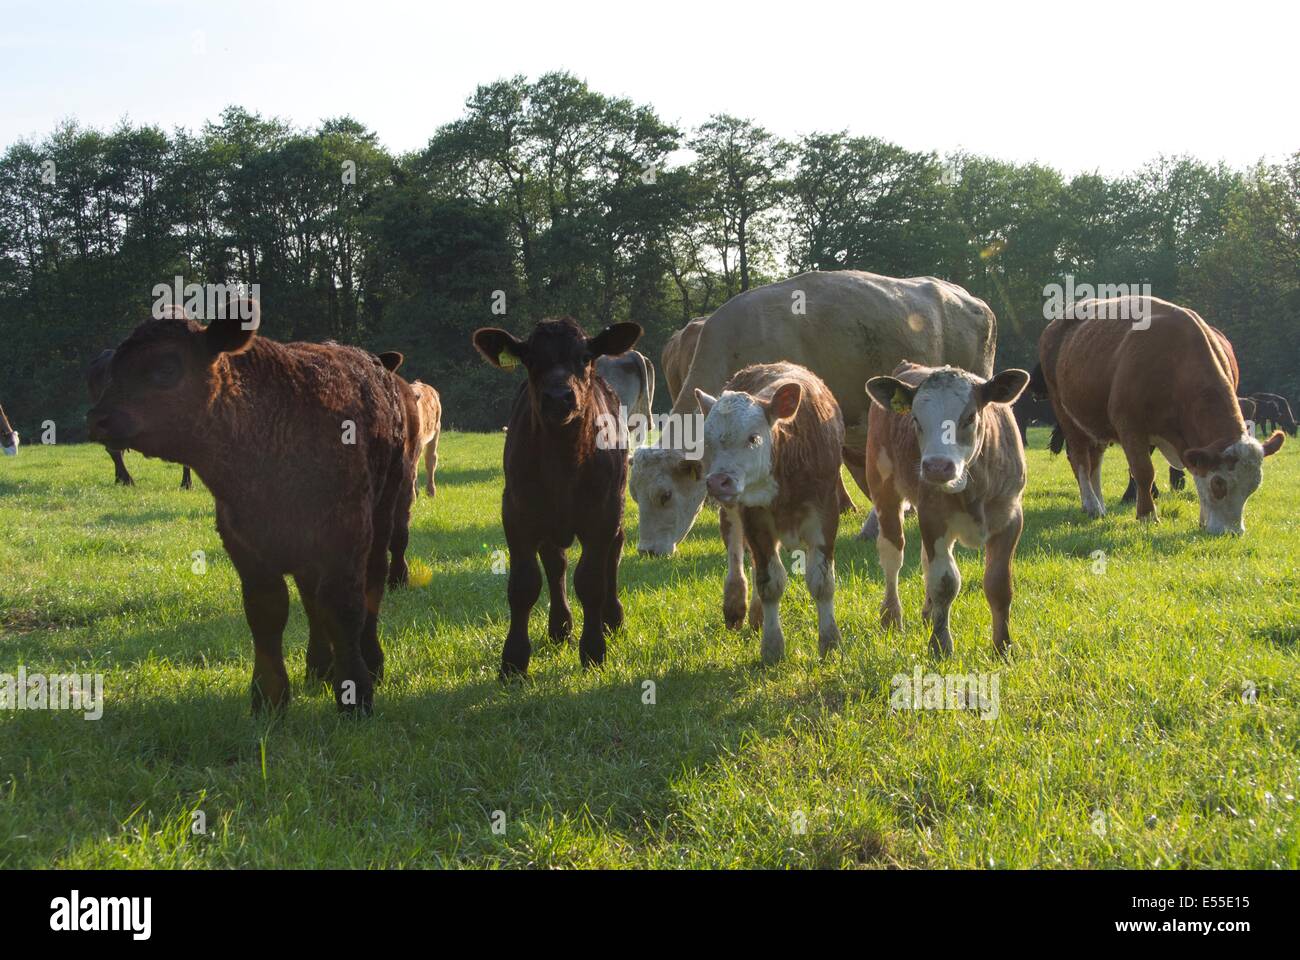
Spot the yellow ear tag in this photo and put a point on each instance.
(899, 402)
(507, 360)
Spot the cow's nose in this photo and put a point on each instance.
(564, 396)
(721, 485)
(938, 469)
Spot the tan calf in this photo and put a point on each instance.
(430, 406)
(946, 441)
(772, 447)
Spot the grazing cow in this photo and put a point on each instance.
(307, 449)
(1273, 412)
(1169, 382)
(430, 407)
(773, 443)
(8, 436)
(561, 484)
(846, 326)
(679, 351)
(946, 441)
(96, 382)
(632, 376)
(1178, 478)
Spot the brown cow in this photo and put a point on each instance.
(1140, 371)
(430, 406)
(947, 442)
(8, 436)
(305, 448)
(773, 440)
(561, 483)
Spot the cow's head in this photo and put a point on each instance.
(669, 491)
(162, 378)
(1226, 474)
(8, 436)
(558, 358)
(947, 408)
(738, 442)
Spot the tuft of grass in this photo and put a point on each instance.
(1146, 718)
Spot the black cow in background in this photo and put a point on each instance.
(97, 382)
(1272, 412)
(1034, 406)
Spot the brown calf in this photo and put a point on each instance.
(305, 449)
(946, 441)
(430, 407)
(772, 448)
(1141, 371)
(560, 483)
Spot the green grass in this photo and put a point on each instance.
(1122, 737)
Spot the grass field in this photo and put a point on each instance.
(1126, 734)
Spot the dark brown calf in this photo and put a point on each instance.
(305, 449)
(561, 483)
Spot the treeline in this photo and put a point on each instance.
(548, 197)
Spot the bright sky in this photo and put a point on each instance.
(1090, 86)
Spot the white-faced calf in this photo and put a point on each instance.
(946, 441)
(772, 448)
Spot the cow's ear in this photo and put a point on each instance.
(498, 347)
(891, 394)
(391, 360)
(1004, 387)
(615, 339)
(784, 402)
(1274, 443)
(234, 332)
(705, 401)
(1201, 460)
(692, 468)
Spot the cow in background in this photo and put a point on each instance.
(632, 376)
(561, 483)
(678, 352)
(8, 436)
(945, 441)
(308, 451)
(1171, 382)
(1273, 412)
(429, 404)
(773, 443)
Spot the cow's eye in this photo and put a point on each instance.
(755, 440)
(165, 374)
(665, 497)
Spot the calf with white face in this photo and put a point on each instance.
(946, 441)
(772, 447)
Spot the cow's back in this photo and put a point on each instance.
(846, 327)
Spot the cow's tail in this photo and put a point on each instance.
(1057, 443)
(1038, 382)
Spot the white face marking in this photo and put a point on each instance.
(1224, 490)
(946, 418)
(738, 451)
(668, 494)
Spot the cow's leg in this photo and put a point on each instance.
(320, 658)
(393, 516)
(341, 598)
(431, 466)
(942, 582)
(820, 573)
(1138, 453)
(120, 473)
(889, 549)
(376, 575)
(613, 615)
(998, 554)
(755, 600)
(266, 607)
(1177, 479)
(590, 582)
(186, 482)
(1085, 461)
(770, 577)
(523, 585)
(559, 623)
(925, 579)
(735, 590)
(846, 504)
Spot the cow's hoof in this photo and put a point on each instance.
(560, 628)
(398, 576)
(891, 616)
(828, 640)
(941, 645)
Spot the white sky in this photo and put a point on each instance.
(1089, 86)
